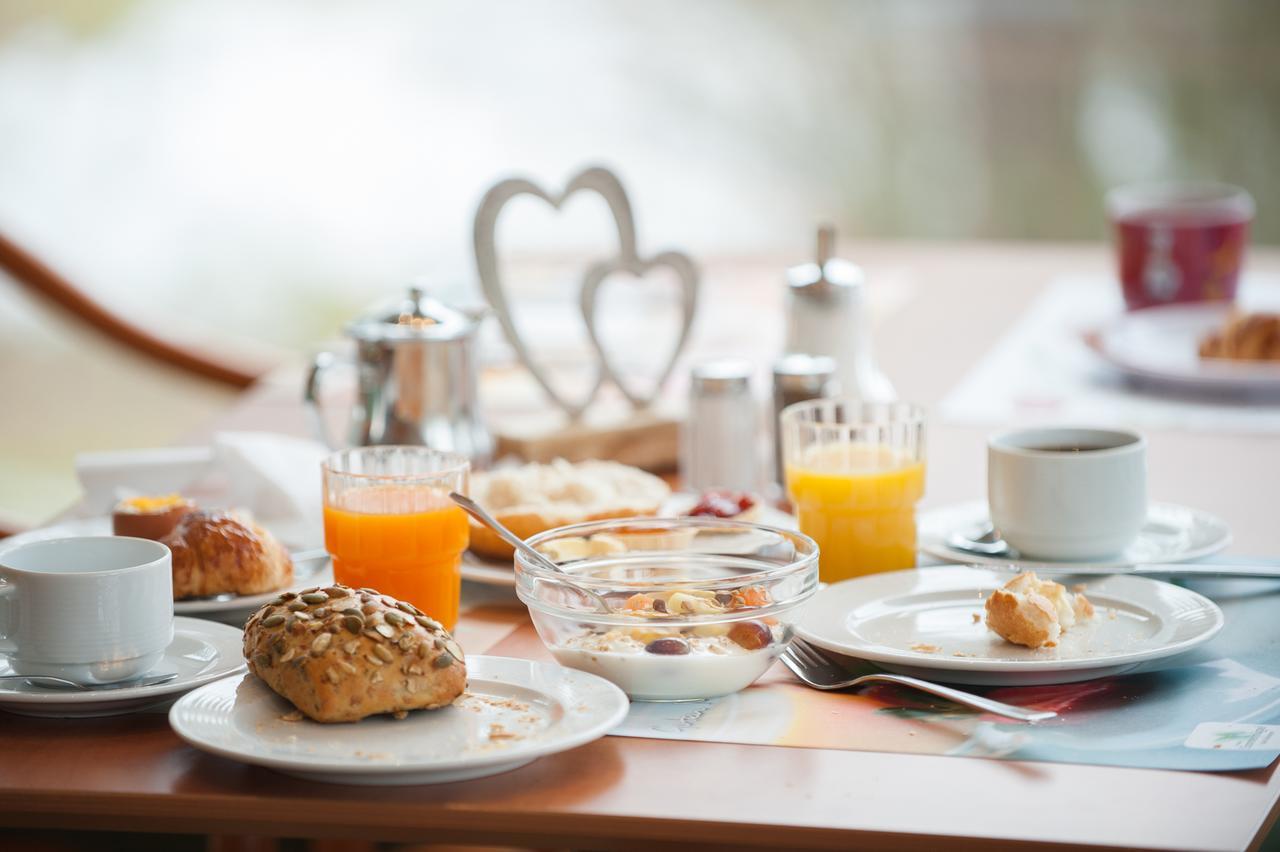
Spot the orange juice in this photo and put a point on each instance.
(858, 502)
(406, 541)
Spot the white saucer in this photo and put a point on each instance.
(1171, 534)
(895, 619)
(1162, 343)
(201, 651)
(229, 609)
(494, 572)
(544, 708)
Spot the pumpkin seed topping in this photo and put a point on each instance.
(320, 643)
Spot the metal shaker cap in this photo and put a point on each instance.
(721, 375)
(829, 278)
(803, 374)
(415, 316)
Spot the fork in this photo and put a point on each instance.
(818, 670)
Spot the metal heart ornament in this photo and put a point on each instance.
(598, 180)
(686, 273)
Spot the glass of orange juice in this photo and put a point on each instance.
(855, 471)
(389, 524)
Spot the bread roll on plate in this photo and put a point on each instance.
(340, 654)
(534, 498)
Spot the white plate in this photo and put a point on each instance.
(494, 572)
(232, 609)
(201, 651)
(881, 617)
(490, 572)
(1162, 344)
(1171, 534)
(547, 709)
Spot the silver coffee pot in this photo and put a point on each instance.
(415, 363)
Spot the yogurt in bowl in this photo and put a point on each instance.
(692, 613)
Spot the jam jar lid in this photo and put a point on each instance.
(415, 316)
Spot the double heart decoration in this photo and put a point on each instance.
(627, 260)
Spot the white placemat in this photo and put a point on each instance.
(1041, 371)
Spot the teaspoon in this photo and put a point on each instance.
(474, 509)
(48, 681)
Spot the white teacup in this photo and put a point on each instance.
(1067, 494)
(92, 610)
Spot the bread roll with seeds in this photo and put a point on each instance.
(340, 654)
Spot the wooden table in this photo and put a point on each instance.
(133, 774)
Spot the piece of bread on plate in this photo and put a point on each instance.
(534, 498)
(340, 654)
(1033, 612)
(217, 553)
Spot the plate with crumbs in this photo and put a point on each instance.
(930, 623)
(513, 712)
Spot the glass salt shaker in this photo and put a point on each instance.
(718, 443)
(797, 378)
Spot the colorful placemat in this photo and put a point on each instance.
(1213, 709)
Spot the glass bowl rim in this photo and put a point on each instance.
(526, 572)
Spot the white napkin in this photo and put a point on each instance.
(275, 477)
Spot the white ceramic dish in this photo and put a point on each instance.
(230, 609)
(1170, 534)
(201, 651)
(513, 712)
(894, 619)
(1161, 344)
(493, 572)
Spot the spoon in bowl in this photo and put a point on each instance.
(472, 508)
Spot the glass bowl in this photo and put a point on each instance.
(696, 607)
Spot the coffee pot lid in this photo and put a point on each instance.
(828, 277)
(415, 316)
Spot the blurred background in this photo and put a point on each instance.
(256, 172)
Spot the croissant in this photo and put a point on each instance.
(1246, 337)
(217, 553)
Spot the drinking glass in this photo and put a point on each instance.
(389, 524)
(1179, 242)
(855, 471)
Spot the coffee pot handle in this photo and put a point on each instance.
(311, 396)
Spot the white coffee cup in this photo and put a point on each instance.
(97, 609)
(1067, 494)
